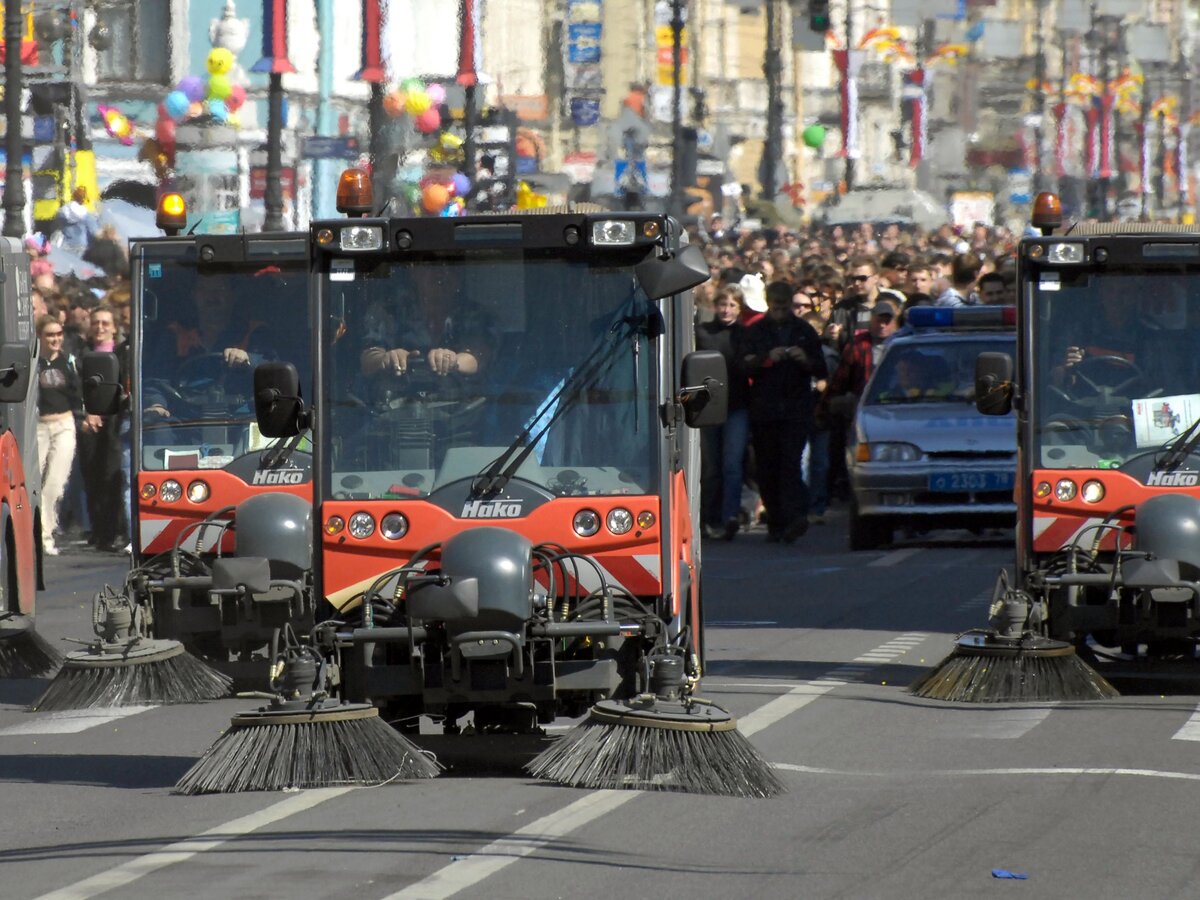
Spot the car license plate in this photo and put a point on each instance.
(971, 481)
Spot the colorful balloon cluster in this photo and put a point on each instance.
(215, 95)
(420, 101)
(443, 195)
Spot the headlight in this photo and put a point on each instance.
(171, 491)
(198, 491)
(361, 525)
(619, 521)
(1065, 253)
(889, 452)
(334, 524)
(1093, 491)
(1065, 490)
(586, 522)
(645, 519)
(148, 490)
(361, 237)
(393, 526)
(612, 232)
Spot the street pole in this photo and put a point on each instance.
(375, 122)
(273, 199)
(676, 203)
(14, 175)
(772, 69)
(849, 170)
(1039, 75)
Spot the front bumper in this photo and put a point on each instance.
(905, 489)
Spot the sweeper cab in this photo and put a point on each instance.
(22, 652)
(505, 457)
(1106, 386)
(208, 486)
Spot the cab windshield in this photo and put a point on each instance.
(203, 329)
(1117, 372)
(509, 365)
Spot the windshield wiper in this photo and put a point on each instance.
(1178, 448)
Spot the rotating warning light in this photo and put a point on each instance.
(354, 193)
(172, 213)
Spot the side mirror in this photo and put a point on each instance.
(101, 374)
(277, 404)
(993, 384)
(681, 271)
(15, 366)
(705, 394)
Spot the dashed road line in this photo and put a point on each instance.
(896, 556)
(1190, 730)
(1100, 771)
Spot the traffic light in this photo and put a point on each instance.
(818, 15)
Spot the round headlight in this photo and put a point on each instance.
(619, 520)
(645, 519)
(148, 490)
(334, 524)
(394, 526)
(198, 492)
(1093, 491)
(1065, 490)
(586, 522)
(361, 525)
(1043, 490)
(170, 491)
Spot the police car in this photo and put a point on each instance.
(923, 457)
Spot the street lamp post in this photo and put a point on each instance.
(677, 150)
(273, 197)
(773, 70)
(14, 175)
(1039, 77)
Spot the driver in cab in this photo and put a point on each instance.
(1113, 346)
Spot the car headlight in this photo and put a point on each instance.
(614, 232)
(170, 491)
(888, 452)
(394, 526)
(1069, 252)
(619, 520)
(586, 522)
(361, 525)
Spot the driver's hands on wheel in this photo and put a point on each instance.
(1074, 356)
(443, 361)
(376, 359)
(235, 356)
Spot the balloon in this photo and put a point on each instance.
(235, 121)
(462, 184)
(437, 93)
(176, 104)
(429, 121)
(195, 109)
(434, 198)
(164, 131)
(218, 110)
(412, 193)
(219, 87)
(417, 103)
(393, 103)
(413, 86)
(814, 136)
(117, 124)
(236, 98)
(220, 61)
(193, 87)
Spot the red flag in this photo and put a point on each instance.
(275, 44)
(468, 45)
(372, 59)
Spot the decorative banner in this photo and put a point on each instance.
(583, 42)
(916, 86)
(1143, 134)
(585, 111)
(1092, 163)
(1060, 139)
(1107, 135)
(1181, 164)
(469, 53)
(275, 46)
(372, 70)
(848, 63)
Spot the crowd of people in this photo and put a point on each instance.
(84, 459)
(802, 317)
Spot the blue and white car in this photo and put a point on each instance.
(923, 456)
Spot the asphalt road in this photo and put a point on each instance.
(811, 646)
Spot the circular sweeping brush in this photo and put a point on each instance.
(23, 652)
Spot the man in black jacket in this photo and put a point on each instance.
(781, 355)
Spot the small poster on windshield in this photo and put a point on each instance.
(1157, 420)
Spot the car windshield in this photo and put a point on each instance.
(202, 332)
(450, 367)
(1116, 369)
(931, 371)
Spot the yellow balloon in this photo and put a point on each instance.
(219, 87)
(417, 102)
(234, 121)
(220, 61)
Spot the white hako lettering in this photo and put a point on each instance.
(491, 509)
(278, 476)
(1173, 479)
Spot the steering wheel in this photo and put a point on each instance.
(197, 373)
(1095, 392)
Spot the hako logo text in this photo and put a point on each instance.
(491, 509)
(278, 476)
(1173, 479)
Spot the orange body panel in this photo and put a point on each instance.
(14, 495)
(1056, 523)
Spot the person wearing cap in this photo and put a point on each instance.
(862, 355)
(781, 355)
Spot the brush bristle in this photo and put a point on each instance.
(306, 755)
(180, 679)
(27, 655)
(599, 755)
(980, 678)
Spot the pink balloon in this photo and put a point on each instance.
(436, 93)
(236, 98)
(429, 121)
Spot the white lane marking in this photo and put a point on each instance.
(994, 724)
(972, 604)
(181, 851)
(896, 556)
(973, 773)
(1190, 730)
(748, 623)
(465, 873)
(72, 721)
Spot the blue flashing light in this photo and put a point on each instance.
(931, 316)
(962, 316)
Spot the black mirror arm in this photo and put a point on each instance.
(686, 394)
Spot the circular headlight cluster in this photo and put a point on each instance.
(171, 491)
(198, 491)
(619, 520)
(334, 524)
(361, 525)
(393, 526)
(1065, 490)
(1093, 491)
(586, 522)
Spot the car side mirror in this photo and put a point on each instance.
(705, 392)
(101, 375)
(993, 384)
(278, 406)
(15, 366)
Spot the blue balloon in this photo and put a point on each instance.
(218, 110)
(176, 104)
